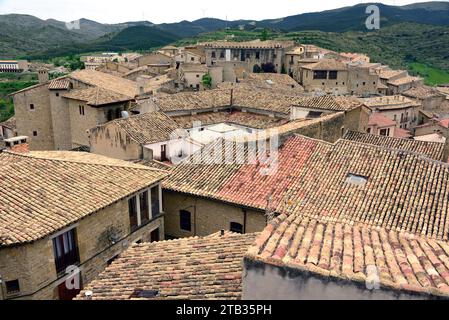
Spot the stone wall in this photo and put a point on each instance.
(207, 216)
(111, 141)
(35, 121)
(267, 282)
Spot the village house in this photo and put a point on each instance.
(257, 54)
(326, 75)
(314, 245)
(57, 114)
(202, 197)
(429, 98)
(403, 111)
(13, 66)
(71, 211)
(381, 125)
(154, 59)
(398, 81)
(146, 136)
(190, 76)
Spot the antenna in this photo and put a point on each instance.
(204, 12)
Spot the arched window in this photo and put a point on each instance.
(236, 227)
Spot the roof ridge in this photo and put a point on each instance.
(130, 166)
(392, 138)
(396, 150)
(227, 234)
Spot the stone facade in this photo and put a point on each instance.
(33, 116)
(33, 264)
(207, 216)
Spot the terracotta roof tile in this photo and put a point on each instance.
(355, 253)
(191, 268)
(144, 129)
(399, 190)
(47, 191)
(432, 150)
(96, 96)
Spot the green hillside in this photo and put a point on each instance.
(405, 45)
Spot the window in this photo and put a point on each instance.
(320, 75)
(185, 220)
(12, 287)
(81, 109)
(214, 55)
(385, 132)
(132, 208)
(144, 210)
(109, 115)
(118, 113)
(192, 59)
(364, 83)
(236, 227)
(314, 114)
(356, 179)
(65, 250)
(154, 237)
(257, 55)
(197, 75)
(35, 133)
(155, 204)
(222, 55)
(369, 130)
(333, 75)
(31, 106)
(248, 55)
(57, 94)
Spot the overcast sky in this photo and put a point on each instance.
(114, 11)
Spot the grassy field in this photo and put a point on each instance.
(431, 75)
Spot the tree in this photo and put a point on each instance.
(264, 35)
(207, 81)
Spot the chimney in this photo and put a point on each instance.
(42, 76)
(232, 97)
(141, 91)
(222, 233)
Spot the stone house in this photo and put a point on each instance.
(13, 66)
(203, 196)
(430, 98)
(155, 58)
(321, 241)
(190, 76)
(381, 125)
(327, 76)
(253, 53)
(86, 210)
(57, 114)
(142, 137)
(401, 110)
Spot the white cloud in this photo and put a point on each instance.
(113, 11)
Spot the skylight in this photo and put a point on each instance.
(357, 180)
